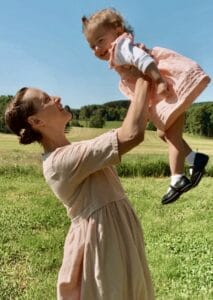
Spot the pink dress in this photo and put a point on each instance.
(104, 256)
(185, 79)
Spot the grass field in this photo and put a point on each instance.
(33, 223)
(152, 143)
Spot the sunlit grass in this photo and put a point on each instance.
(151, 144)
(34, 224)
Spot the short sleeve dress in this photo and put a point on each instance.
(104, 256)
(185, 78)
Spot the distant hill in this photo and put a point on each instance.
(125, 103)
(117, 103)
(203, 103)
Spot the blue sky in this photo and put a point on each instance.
(42, 45)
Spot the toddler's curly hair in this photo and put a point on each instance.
(108, 18)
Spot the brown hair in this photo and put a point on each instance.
(109, 18)
(16, 114)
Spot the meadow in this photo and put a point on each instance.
(34, 223)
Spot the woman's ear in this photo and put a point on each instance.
(35, 122)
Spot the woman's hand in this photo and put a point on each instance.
(130, 73)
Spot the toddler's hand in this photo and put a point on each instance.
(161, 89)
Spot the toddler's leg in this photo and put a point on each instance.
(178, 149)
(197, 162)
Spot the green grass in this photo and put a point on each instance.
(151, 144)
(150, 158)
(178, 237)
(108, 124)
(34, 224)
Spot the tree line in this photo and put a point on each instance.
(199, 117)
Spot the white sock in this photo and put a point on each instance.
(190, 158)
(174, 179)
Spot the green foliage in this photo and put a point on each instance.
(96, 121)
(75, 123)
(118, 103)
(85, 112)
(111, 111)
(199, 119)
(113, 114)
(116, 110)
(3, 103)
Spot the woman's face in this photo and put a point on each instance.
(49, 108)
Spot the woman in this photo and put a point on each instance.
(104, 256)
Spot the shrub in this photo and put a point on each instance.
(76, 123)
(96, 121)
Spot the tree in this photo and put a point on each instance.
(3, 103)
(209, 125)
(75, 123)
(85, 114)
(113, 114)
(96, 121)
(122, 113)
(199, 119)
(75, 113)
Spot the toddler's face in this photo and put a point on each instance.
(100, 41)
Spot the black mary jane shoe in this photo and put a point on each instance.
(198, 169)
(181, 186)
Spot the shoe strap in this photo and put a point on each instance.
(174, 188)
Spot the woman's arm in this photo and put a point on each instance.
(131, 133)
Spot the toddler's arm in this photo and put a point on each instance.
(126, 53)
(153, 73)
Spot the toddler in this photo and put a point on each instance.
(176, 81)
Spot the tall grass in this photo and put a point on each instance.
(34, 225)
(151, 145)
(145, 166)
(154, 165)
(150, 158)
